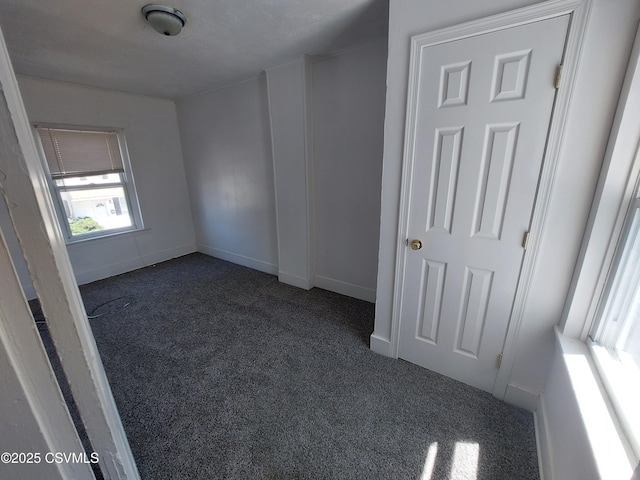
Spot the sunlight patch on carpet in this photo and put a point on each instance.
(465, 461)
(429, 462)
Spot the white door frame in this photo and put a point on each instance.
(35, 416)
(579, 11)
(24, 186)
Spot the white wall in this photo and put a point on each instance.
(227, 152)
(291, 141)
(608, 42)
(563, 444)
(151, 132)
(609, 38)
(230, 171)
(348, 120)
(578, 435)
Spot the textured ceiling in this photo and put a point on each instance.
(107, 43)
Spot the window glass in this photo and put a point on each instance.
(89, 174)
(619, 328)
(616, 335)
(96, 209)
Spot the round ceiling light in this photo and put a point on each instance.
(165, 20)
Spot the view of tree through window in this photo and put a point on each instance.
(94, 203)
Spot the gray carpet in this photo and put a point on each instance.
(220, 371)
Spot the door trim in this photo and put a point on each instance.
(579, 11)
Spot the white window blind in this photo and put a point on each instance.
(72, 153)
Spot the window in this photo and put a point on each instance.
(91, 181)
(616, 334)
(604, 303)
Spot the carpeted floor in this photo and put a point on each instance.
(220, 371)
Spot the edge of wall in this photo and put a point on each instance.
(379, 345)
(542, 440)
(521, 397)
(238, 259)
(295, 280)
(344, 288)
(107, 271)
(336, 286)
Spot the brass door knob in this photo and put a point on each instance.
(416, 244)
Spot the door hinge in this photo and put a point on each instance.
(558, 78)
(525, 240)
(499, 361)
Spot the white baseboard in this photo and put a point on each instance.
(380, 345)
(521, 397)
(542, 440)
(295, 281)
(129, 265)
(238, 259)
(330, 284)
(165, 255)
(344, 288)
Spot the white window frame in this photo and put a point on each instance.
(126, 181)
(621, 381)
(615, 197)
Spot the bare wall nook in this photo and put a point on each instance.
(300, 197)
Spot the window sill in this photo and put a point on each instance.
(106, 237)
(611, 452)
(623, 388)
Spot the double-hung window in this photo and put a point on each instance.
(604, 306)
(615, 336)
(91, 181)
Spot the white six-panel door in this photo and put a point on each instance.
(483, 108)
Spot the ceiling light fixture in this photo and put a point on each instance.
(165, 20)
